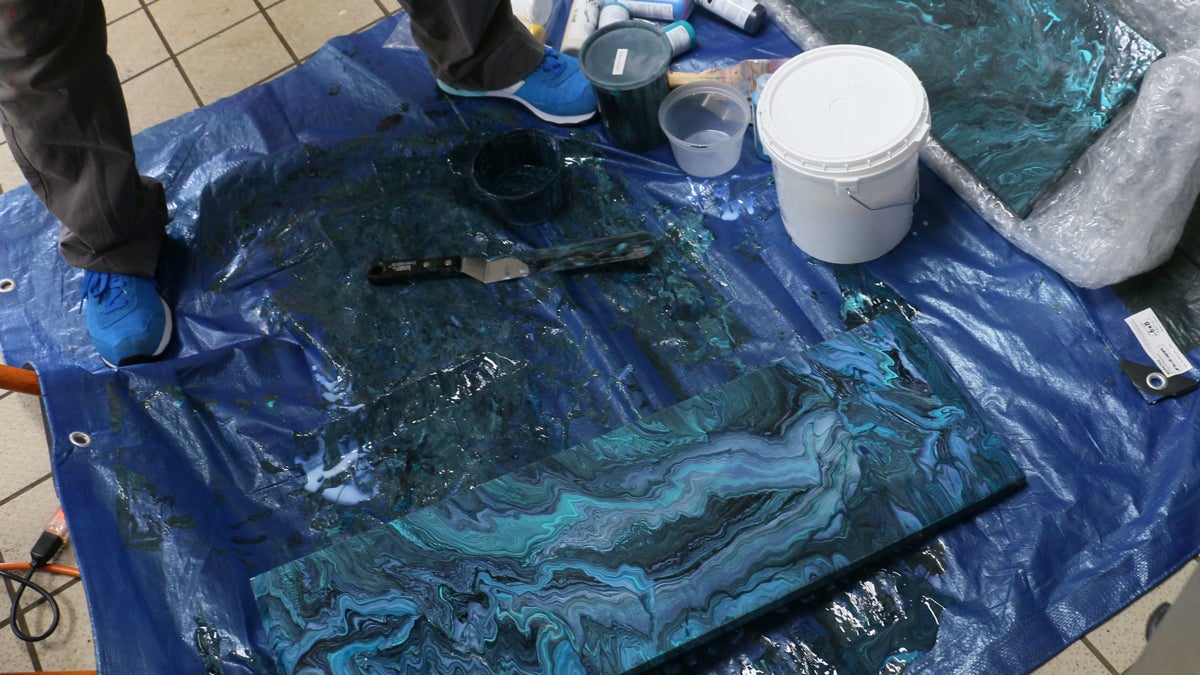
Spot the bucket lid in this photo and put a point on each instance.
(843, 110)
(625, 55)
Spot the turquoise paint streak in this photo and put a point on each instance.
(1017, 90)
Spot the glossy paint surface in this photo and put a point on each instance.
(628, 549)
(1017, 90)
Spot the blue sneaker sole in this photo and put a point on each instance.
(540, 114)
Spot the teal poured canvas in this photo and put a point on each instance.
(621, 552)
(1017, 90)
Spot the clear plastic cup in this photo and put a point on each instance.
(705, 123)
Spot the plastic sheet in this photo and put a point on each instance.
(246, 448)
(1120, 209)
(1172, 24)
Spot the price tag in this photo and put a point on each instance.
(1153, 337)
(619, 61)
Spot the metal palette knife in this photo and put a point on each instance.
(520, 264)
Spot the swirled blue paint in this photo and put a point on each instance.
(1017, 90)
(628, 550)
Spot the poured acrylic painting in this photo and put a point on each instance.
(621, 552)
(1017, 90)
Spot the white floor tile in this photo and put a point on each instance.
(14, 654)
(1076, 659)
(23, 444)
(11, 177)
(115, 9)
(157, 95)
(308, 24)
(186, 22)
(134, 46)
(1122, 638)
(237, 58)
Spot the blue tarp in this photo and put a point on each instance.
(297, 405)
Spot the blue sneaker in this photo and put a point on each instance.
(127, 319)
(556, 91)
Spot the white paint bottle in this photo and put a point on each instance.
(581, 22)
(612, 12)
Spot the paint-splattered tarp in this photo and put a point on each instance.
(298, 405)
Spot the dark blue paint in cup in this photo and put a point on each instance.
(519, 175)
(627, 62)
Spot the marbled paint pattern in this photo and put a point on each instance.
(623, 551)
(1017, 89)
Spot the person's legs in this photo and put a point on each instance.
(478, 48)
(473, 44)
(66, 123)
(65, 118)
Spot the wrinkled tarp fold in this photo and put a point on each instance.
(296, 407)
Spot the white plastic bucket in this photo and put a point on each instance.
(843, 125)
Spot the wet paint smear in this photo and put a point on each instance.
(878, 622)
(420, 380)
(1017, 90)
(642, 544)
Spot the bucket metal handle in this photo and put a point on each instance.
(916, 195)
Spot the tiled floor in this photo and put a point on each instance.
(174, 56)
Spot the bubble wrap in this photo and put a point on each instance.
(1122, 207)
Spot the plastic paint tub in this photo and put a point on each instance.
(626, 62)
(705, 122)
(519, 175)
(843, 125)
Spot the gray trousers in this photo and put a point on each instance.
(473, 44)
(66, 123)
(65, 120)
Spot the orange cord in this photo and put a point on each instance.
(53, 569)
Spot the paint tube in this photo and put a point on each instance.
(612, 12)
(581, 22)
(747, 15)
(661, 10)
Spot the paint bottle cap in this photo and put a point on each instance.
(758, 16)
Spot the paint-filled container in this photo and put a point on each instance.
(843, 125)
(518, 174)
(705, 122)
(626, 62)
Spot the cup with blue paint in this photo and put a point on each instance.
(627, 62)
(518, 174)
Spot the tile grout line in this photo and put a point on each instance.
(171, 55)
(275, 29)
(386, 13)
(285, 69)
(26, 489)
(1096, 652)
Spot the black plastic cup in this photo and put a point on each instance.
(627, 62)
(519, 175)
